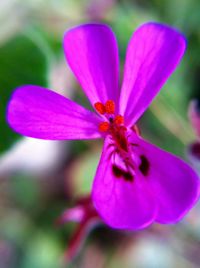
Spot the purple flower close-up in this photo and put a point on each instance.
(136, 183)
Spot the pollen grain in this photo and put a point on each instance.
(99, 107)
(110, 107)
(104, 126)
(119, 119)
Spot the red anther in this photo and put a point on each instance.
(110, 107)
(100, 107)
(104, 126)
(119, 119)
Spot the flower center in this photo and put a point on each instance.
(124, 160)
(114, 124)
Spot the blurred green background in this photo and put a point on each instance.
(39, 179)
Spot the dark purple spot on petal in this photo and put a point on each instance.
(144, 165)
(118, 172)
(128, 176)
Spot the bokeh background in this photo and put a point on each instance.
(39, 179)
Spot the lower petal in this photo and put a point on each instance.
(122, 203)
(175, 184)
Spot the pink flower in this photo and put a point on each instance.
(136, 183)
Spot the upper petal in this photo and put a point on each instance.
(92, 53)
(121, 203)
(152, 55)
(41, 113)
(175, 184)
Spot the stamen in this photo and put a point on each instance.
(136, 130)
(100, 107)
(119, 120)
(110, 107)
(104, 126)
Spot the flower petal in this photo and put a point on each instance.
(41, 113)
(152, 55)
(175, 184)
(121, 203)
(92, 53)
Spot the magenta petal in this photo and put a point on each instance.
(41, 113)
(175, 184)
(121, 204)
(92, 53)
(152, 55)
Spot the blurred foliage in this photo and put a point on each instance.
(22, 62)
(25, 192)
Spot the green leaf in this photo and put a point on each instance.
(21, 62)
